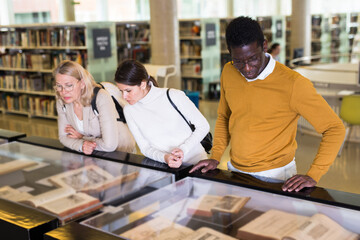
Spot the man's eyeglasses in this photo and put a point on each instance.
(252, 62)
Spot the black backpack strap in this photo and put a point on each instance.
(118, 107)
(120, 111)
(192, 127)
(93, 100)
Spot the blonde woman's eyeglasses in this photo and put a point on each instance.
(67, 87)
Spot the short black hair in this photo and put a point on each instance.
(243, 31)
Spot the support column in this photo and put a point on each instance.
(164, 29)
(102, 10)
(301, 27)
(230, 8)
(66, 11)
(6, 12)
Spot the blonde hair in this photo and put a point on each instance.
(77, 71)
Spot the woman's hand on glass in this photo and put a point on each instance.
(173, 161)
(72, 133)
(88, 147)
(177, 152)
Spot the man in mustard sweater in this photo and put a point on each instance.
(260, 103)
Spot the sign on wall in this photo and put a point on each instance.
(102, 46)
(210, 34)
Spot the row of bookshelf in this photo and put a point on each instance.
(28, 53)
(138, 33)
(190, 48)
(43, 37)
(28, 83)
(29, 105)
(40, 61)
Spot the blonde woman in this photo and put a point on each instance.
(80, 128)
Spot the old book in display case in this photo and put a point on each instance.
(195, 208)
(161, 228)
(64, 202)
(90, 178)
(209, 205)
(275, 224)
(15, 165)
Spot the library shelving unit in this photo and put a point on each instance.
(28, 54)
(287, 40)
(352, 27)
(354, 36)
(225, 55)
(316, 33)
(200, 54)
(133, 41)
(274, 29)
(339, 37)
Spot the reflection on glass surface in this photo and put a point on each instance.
(193, 208)
(69, 185)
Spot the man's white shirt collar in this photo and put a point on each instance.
(267, 70)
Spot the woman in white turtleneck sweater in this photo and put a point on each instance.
(159, 130)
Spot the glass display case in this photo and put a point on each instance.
(9, 136)
(123, 157)
(70, 185)
(195, 208)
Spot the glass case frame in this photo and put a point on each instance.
(175, 203)
(38, 176)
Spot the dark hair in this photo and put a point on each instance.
(132, 73)
(243, 31)
(273, 47)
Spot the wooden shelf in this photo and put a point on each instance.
(46, 47)
(190, 38)
(26, 70)
(28, 92)
(17, 112)
(190, 57)
(191, 76)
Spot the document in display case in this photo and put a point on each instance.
(195, 208)
(70, 185)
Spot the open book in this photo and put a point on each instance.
(15, 165)
(206, 205)
(161, 228)
(90, 178)
(158, 228)
(64, 202)
(275, 224)
(206, 233)
(13, 194)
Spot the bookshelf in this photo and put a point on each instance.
(199, 54)
(225, 55)
(274, 29)
(28, 53)
(354, 36)
(287, 40)
(133, 41)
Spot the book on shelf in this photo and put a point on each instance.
(90, 178)
(64, 202)
(207, 205)
(15, 165)
(12, 194)
(275, 224)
